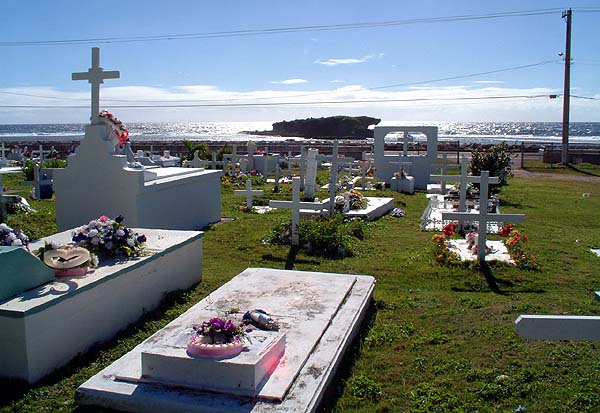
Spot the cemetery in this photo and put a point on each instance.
(137, 302)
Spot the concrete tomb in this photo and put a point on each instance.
(422, 165)
(319, 315)
(98, 182)
(45, 325)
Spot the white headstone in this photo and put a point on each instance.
(558, 327)
(311, 173)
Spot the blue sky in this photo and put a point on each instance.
(301, 66)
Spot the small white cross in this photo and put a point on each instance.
(95, 75)
(443, 177)
(3, 151)
(249, 192)
(295, 205)
(482, 217)
(402, 163)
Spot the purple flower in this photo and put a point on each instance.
(119, 219)
(141, 238)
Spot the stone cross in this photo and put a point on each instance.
(216, 163)
(95, 76)
(3, 151)
(483, 217)
(41, 150)
(295, 205)
(443, 177)
(37, 182)
(251, 148)
(249, 192)
(405, 139)
(364, 165)
(403, 164)
(302, 165)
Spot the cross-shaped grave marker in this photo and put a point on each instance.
(482, 217)
(336, 161)
(249, 192)
(403, 164)
(3, 151)
(405, 139)
(442, 178)
(364, 166)
(95, 75)
(295, 205)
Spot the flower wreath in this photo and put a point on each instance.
(117, 125)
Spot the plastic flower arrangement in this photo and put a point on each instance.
(109, 237)
(220, 331)
(350, 200)
(12, 237)
(514, 243)
(117, 125)
(442, 252)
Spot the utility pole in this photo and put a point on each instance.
(567, 91)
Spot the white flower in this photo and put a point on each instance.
(17, 242)
(4, 227)
(94, 261)
(11, 236)
(95, 241)
(130, 242)
(93, 233)
(120, 233)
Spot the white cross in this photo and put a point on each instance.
(402, 163)
(3, 214)
(295, 205)
(216, 163)
(95, 75)
(3, 151)
(302, 165)
(249, 192)
(364, 165)
(483, 217)
(405, 139)
(443, 177)
(37, 182)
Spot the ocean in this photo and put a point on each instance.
(587, 133)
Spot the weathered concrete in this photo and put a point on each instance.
(320, 314)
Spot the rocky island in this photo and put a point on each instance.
(347, 127)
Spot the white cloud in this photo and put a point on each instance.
(337, 81)
(289, 81)
(419, 104)
(488, 82)
(348, 61)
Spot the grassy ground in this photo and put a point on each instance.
(440, 340)
(557, 168)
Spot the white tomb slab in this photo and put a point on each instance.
(45, 327)
(319, 313)
(376, 208)
(499, 251)
(558, 327)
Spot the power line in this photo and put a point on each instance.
(335, 102)
(283, 30)
(304, 94)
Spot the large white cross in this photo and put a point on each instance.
(405, 139)
(333, 177)
(249, 192)
(442, 177)
(482, 217)
(95, 75)
(295, 205)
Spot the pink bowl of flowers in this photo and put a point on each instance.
(217, 338)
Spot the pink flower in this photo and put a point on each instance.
(103, 218)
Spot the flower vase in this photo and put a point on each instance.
(199, 346)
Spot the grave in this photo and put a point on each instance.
(558, 327)
(248, 193)
(431, 219)
(319, 313)
(482, 217)
(45, 327)
(422, 165)
(376, 208)
(98, 182)
(310, 182)
(402, 181)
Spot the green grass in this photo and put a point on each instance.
(557, 168)
(440, 339)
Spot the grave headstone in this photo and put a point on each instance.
(310, 183)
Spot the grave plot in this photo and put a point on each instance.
(319, 314)
(98, 181)
(49, 321)
(457, 201)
